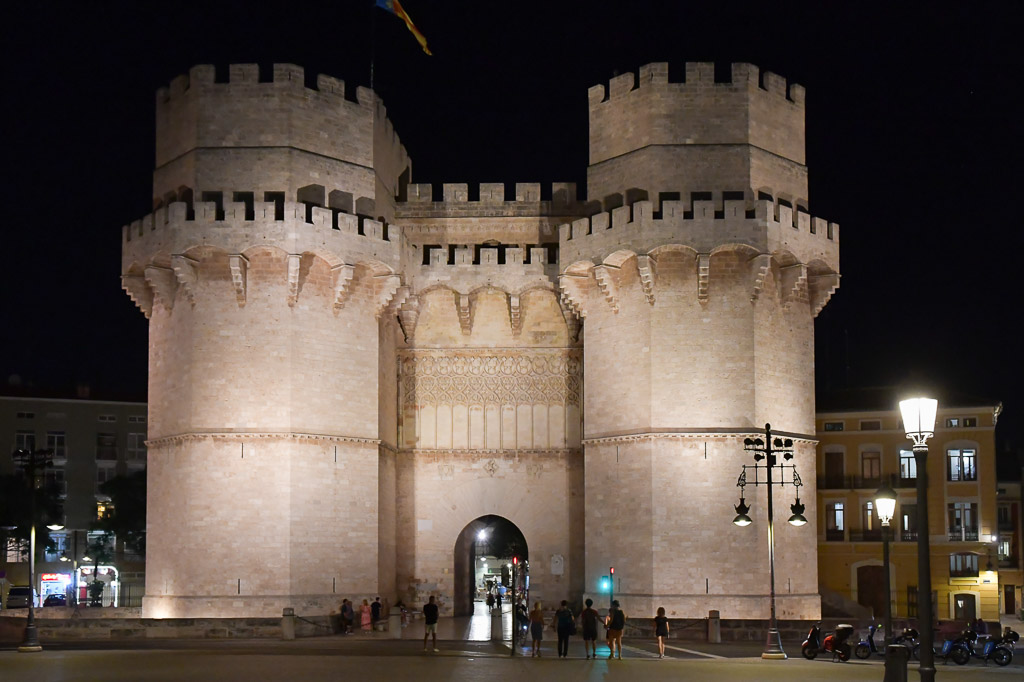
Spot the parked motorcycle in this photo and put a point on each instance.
(911, 639)
(834, 644)
(866, 646)
(962, 648)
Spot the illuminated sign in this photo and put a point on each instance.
(50, 577)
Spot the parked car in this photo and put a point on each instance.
(55, 600)
(18, 597)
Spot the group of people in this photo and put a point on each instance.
(564, 624)
(368, 614)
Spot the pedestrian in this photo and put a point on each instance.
(565, 625)
(348, 615)
(497, 601)
(588, 619)
(490, 601)
(365, 616)
(430, 620)
(523, 619)
(981, 627)
(375, 612)
(661, 630)
(536, 628)
(616, 623)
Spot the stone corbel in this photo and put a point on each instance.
(341, 277)
(387, 286)
(462, 302)
(515, 314)
(821, 289)
(408, 316)
(239, 266)
(759, 265)
(572, 322)
(139, 291)
(185, 272)
(294, 270)
(607, 281)
(573, 293)
(794, 283)
(645, 265)
(703, 276)
(163, 284)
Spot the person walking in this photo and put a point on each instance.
(588, 619)
(536, 628)
(375, 612)
(661, 630)
(348, 615)
(430, 623)
(616, 623)
(564, 623)
(365, 616)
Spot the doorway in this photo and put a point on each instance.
(871, 588)
(964, 606)
(484, 553)
(1010, 599)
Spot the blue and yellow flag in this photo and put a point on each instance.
(395, 7)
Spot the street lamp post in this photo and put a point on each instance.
(768, 450)
(32, 461)
(885, 503)
(919, 423)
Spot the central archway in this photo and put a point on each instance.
(493, 538)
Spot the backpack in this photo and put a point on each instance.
(618, 620)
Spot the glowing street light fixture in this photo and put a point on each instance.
(885, 503)
(919, 423)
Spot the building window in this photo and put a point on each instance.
(106, 446)
(1003, 516)
(833, 469)
(53, 478)
(871, 425)
(25, 440)
(908, 465)
(961, 463)
(16, 550)
(136, 451)
(107, 418)
(833, 426)
(970, 422)
(835, 522)
(57, 547)
(1004, 547)
(963, 521)
(104, 509)
(868, 519)
(953, 423)
(871, 466)
(136, 419)
(26, 415)
(963, 565)
(912, 601)
(104, 472)
(908, 522)
(57, 441)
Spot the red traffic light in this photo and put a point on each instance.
(515, 560)
(612, 570)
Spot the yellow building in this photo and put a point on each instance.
(859, 451)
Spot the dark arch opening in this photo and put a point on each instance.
(494, 539)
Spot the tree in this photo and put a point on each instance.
(16, 497)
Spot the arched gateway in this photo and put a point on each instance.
(484, 553)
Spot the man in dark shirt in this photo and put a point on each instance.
(430, 619)
(375, 611)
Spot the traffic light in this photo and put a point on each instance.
(606, 584)
(612, 571)
(515, 561)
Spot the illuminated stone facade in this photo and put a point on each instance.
(345, 372)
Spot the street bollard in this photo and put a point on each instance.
(896, 657)
(288, 624)
(395, 625)
(496, 629)
(714, 627)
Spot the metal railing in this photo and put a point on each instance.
(963, 535)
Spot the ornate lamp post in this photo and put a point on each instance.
(919, 423)
(32, 462)
(768, 450)
(885, 503)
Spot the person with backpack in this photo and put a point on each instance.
(589, 619)
(565, 625)
(616, 623)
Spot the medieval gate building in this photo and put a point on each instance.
(345, 373)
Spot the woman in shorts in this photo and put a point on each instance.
(661, 630)
(536, 628)
(588, 619)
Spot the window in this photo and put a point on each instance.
(908, 522)
(908, 465)
(104, 472)
(871, 425)
(26, 415)
(868, 518)
(835, 522)
(963, 565)
(107, 418)
(833, 426)
(25, 440)
(963, 521)
(54, 476)
(1004, 547)
(106, 446)
(1003, 516)
(59, 544)
(136, 450)
(970, 422)
(833, 469)
(961, 464)
(104, 509)
(871, 466)
(136, 419)
(56, 441)
(953, 423)
(16, 550)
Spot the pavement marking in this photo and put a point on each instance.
(635, 650)
(692, 652)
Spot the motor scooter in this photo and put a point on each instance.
(910, 638)
(866, 646)
(834, 644)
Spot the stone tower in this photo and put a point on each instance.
(265, 271)
(349, 376)
(699, 286)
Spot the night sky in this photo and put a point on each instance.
(914, 147)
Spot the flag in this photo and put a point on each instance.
(395, 7)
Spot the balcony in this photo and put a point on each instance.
(963, 535)
(866, 535)
(908, 535)
(833, 482)
(906, 482)
(834, 535)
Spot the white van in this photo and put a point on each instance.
(18, 596)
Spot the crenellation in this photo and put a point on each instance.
(620, 85)
(527, 191)
(290, 73)
(774, 83)
(456, 192)
(699, 73)
(655, 73)
(330, 85)
(243, 73)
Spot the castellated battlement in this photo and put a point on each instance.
(492, 199)
(703, 226)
